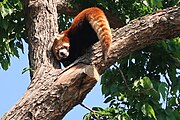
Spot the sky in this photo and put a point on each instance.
(13, 85)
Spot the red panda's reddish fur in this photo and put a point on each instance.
(88, 27)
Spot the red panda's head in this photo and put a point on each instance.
(61, 46)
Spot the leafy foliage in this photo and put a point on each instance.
(11, 31)
(145, 84)
(64, 22)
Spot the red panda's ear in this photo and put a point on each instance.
(59, 36)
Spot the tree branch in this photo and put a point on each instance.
(54, 92)
(64, 8)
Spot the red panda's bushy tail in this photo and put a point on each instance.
(100, 24)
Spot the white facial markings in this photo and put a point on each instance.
(66, 44)
(63, 53)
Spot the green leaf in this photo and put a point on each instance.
(5, 10)
(147, 83)
(114, 88)
(4, 24)
(163, 90)
(176, 115)
(105, 90)
(173, 101)
(155, 96)
(170, 114)
(108, 99)
(26, 69)
(148, 110)
(86, 117)
(20, 45)
(15, 52)
(97, 109)
(124, 116)
(5, 64)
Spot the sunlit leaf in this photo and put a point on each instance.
(148, 110)
(26, 69)
(147, 83)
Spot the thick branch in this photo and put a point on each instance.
(64, 8)
(138, 34)
(54, 92)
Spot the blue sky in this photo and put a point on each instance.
(13, 85)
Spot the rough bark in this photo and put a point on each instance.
(64, 8)
(113, 20)
(53, 92)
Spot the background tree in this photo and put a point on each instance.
(132, 85)
(12, 31)
(144, 84)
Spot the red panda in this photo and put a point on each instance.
(88, 27)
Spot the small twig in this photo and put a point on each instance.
(87, 107)
(93, 111)
(123, 77)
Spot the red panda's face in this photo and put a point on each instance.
(61, 46)
(62, 51)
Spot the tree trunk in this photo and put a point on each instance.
(53, 92)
